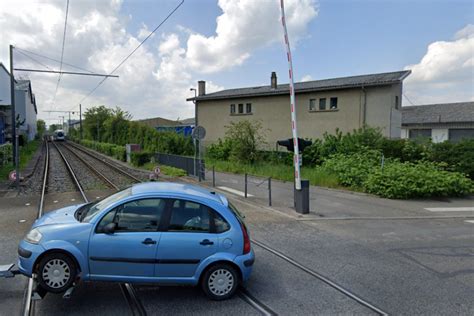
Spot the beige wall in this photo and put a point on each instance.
(274, 113)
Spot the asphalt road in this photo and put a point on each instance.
(401, 266)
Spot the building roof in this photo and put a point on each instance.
(158, 121)
(379, 79)
(461, 112)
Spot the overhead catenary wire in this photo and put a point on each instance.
(132, 52)
(34, 59)
(62, 52)
(27, 53)
(408, 99)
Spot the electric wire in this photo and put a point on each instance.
(408, 99)
(62, 53)
(27, 52)
(133, 51)
(34, 59)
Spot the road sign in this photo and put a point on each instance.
(199, 132)
(12, 175)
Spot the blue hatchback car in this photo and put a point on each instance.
(164, 233)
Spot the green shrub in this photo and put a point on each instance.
(353, 170)
(412, 180)
(220, 150)
(118, 152)
(140, 158)
(458, 156)
(245, 137)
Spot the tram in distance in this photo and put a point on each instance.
(59, 135)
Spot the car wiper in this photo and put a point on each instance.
(82, 211)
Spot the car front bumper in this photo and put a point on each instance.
(27, 255)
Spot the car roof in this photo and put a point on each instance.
(177, 188)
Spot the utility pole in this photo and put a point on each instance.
(14, 131)
(80, 120)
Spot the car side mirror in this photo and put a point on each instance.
(109, 228)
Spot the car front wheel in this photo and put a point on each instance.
(220, 282)
(56, 272)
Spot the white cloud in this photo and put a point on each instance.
(446, 71)
(244, 26)
(155, 81)
(306, 78)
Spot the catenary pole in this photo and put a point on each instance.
(13, 109)
(296, 159)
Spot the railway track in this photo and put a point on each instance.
(127, 289)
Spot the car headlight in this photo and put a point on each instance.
(34, 236)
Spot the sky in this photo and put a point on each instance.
(231, 44)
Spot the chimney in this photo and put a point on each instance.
(273, 82)
(201, 87)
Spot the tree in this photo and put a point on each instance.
(93, 124)
(53, 127)
(246, 137)
(40, 128)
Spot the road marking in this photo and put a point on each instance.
(450, 209)
(236, 192)
(470, 221)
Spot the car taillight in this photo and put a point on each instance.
(246, 239)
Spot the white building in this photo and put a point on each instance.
(440, 122)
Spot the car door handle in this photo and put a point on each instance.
(206, 242)
(149, 241)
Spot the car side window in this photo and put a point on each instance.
(135, 216)
(220, 224)
(189, 216)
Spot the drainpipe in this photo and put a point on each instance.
(364, 107)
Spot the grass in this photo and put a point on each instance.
(166, 170)
(316, 175)
(26, 153)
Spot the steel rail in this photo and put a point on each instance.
(29, 303)
(255, 303)
(87, 152)
(73, 175)
(322, 278)
(92, 168)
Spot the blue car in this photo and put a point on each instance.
(156, 232)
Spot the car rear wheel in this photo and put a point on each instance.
(56, 272)
(220, 282)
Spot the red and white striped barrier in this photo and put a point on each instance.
(294, 130)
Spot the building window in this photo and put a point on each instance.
(322, 104)
(333, 103)
(396, 102)
(241, 108)
(232, 109)
(248, 108)
(420, 133)
(312, 104)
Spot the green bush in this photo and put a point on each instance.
(353, 170)
(245, 137)
(412, 180)
(140, 158)
(220, 150)
(118, 152)
(458, 156)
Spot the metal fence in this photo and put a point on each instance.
(194, 167)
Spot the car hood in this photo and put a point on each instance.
(63, 215)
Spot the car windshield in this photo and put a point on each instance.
(99, 206)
